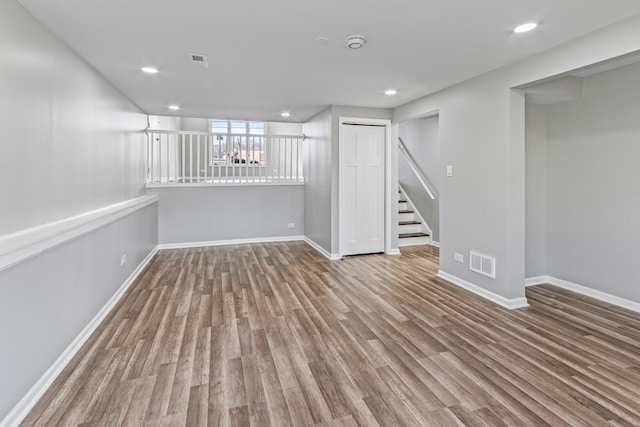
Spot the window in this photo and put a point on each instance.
(238, 141)
(237, 127)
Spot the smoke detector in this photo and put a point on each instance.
(355, 42)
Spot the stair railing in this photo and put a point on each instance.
(415, 169)
(186, 158)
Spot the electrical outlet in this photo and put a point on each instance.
(292, 225)
(458, 257)
(123, 260)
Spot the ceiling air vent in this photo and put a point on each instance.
(482, 264)
(198, 60)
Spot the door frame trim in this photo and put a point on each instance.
(388, 179)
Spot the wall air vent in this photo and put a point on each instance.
(198, 60)
(482, 264)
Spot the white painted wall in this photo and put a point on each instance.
(317, 169)
(283, 128)
(536, 191)
(204, 214)
(165, 122)
(195, 124)
(482, 135)
(593, 185)
(46, 301)
(70, 141)
(420, 136)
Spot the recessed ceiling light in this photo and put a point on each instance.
(390, 92)
(525, 27)
(174, 107)
(321, 41)
(150, 70)
(285, 114)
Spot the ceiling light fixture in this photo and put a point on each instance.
(285, 114)
(174, 107)
(355, 42)
(321, 41)
(525, 27)
(150, 70)
(390, 92)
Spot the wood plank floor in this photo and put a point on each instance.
(276, 335)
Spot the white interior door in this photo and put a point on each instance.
(361, 189)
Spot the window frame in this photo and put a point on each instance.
(228, 137)
(247, 127)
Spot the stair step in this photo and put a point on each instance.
(405, 211)
(408, 235)
(409, 223)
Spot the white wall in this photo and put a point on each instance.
(204, 214)
(209, 213)
(165, 122)
(70, 141)
(47, 300)
(283, 128)
(536, 191)
(317, 169)
(420, 137)
(195, 124)
(593, 185)
(70, 144)
(482, 135)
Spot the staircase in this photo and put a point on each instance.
(411, 229)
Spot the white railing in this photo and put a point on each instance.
(416, 170)
(203, 158)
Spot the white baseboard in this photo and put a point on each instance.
(583, 290)
(537, 280)
(498, 299)
(21, 410)
(186, 245)
(323, 251)
(434, 243)
(393, 252)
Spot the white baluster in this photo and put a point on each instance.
(191, 158)
(182, 146)
(198, 158)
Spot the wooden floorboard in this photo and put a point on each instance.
(274, 334)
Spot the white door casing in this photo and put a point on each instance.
(362, 187)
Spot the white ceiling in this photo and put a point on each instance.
(262, 59)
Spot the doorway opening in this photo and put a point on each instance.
(419, 181)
